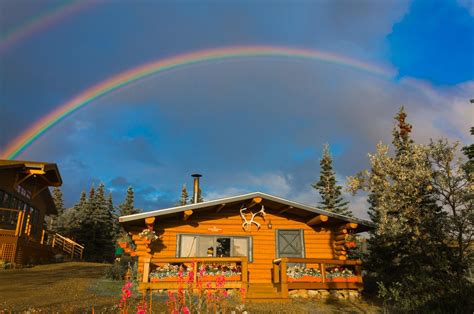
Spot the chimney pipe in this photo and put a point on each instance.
(196, 177)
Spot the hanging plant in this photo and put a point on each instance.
(148, 234)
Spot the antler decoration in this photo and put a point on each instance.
(246, 224)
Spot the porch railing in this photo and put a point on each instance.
(280, 277)
(72, 248)
(195, 263)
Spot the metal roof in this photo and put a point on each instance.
(238, 198)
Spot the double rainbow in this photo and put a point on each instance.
(121, 80)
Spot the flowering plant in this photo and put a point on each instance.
(300, 271)
(148, 234)
(336, 272)
(167, 271)
(221, 269)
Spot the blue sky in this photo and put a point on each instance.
(246, 125)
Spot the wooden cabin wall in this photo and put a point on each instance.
(318, 241)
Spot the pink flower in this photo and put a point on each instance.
(185, 310)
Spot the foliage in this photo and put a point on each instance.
(127, 207)
(191, 296)
(184, 200)
(297, 271)
(339, 271)
(409, 242)
(116, 271)
(148, 234)
(92, 223)
(328, 189)
(453, 189)
(58, 200)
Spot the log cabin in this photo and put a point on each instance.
(25, 201)
(263, 243)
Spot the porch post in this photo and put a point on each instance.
(244, 265)
(276, 272)
(146, 268)
(284, 277)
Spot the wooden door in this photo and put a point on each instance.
(290, 243)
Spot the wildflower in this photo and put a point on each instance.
(185, 310)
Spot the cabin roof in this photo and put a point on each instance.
(46, 172)
(292, 207)
(50, 169)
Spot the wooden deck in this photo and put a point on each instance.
(280, 276)
(276, 290)
(20, 245)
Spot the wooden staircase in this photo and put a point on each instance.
(264, 292)
(65, 245)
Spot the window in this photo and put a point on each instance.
(195, 245)
(25, 192)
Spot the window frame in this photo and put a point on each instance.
(215, 236)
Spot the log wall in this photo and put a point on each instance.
(319, 242)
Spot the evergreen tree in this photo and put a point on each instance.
(117, 229)
(453, 191)
(184, 200)
(328, 189)
(469, 152)
(55, 223)
(58, 200)
(128, 208)
(409, 257)
(200, 199)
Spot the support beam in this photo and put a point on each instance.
(253, 202)
(187, 214)
(36, 192)
(20, 181)
(317, 220)
(150, 220)
(220, 207)
(350, 225)
(285, 209)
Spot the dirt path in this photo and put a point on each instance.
(58, 288)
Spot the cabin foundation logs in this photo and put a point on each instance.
(343, 294)
(142, 247)
(340, 239)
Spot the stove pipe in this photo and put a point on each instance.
(196, 177)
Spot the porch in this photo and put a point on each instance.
(22, 239)
(315, 274)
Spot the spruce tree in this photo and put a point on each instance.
(58, 200)
(409, 257)
(127, 207)
(329, 191)
(184, 200)
(200, 199)
(104, 228)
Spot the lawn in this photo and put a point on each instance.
(80, 287)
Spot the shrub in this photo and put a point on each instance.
(116, 271)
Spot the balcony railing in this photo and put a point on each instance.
(325, 274)
(194, 263)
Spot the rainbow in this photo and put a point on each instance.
(40, 22)
(121, 80)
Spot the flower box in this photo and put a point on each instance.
(343, 279)
(165, 279)
(305, 279)
(227, 278)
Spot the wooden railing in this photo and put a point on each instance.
(10, 219)
(73, 249)
(280, 276)
(195, 263)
